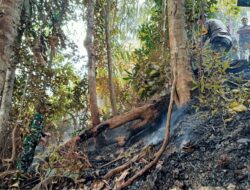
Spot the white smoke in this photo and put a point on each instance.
(158, 135)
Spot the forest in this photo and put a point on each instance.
(125, 94)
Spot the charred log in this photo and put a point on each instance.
(139, 118)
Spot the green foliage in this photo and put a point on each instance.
(123, 29)
(196, 7)
(149, 34)
(45, 71)
(226, 8)
(219, 91)
(211, 80)
(151, 70)
(66, 91)
(150, 58)
(149, 77)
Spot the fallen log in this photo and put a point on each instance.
(139, 116)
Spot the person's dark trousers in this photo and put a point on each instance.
(221, 44)
(27, 156)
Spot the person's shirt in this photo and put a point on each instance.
(36, 127)
(244, 34)
(215, 28)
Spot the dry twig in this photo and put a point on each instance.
(111, 162)
(6, 173)
(124, 166)
(51, 180)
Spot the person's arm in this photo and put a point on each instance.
(45, 134)
(204, 39)
(238, 31)
(243, 31)
(204, 31)
(44, 138)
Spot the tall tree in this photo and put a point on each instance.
(5, 109)
(9, 21)
(10, 11)
(6, 100)
(89, 41)
(178, 50)
(109, 59)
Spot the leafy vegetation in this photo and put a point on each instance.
(151, 71)
(222, 93)
(141, 68)
(141, 54)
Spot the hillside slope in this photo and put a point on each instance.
(205, 153)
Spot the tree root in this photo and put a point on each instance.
(119, 158)
(6, 173)
(123, 167)
(145, 114)
(50, 181)
(163, 146)
(111, 162)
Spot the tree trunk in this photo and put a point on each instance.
(10, 11)
(178, 50)
(5, 109)
(109, 56)
(7, 96)
(95, 116)
(6, 101)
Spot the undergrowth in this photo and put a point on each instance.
(218, 91)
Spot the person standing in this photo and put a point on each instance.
(244, 39)
(30, 141)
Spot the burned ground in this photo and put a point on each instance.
(205, 152)
(214, 155)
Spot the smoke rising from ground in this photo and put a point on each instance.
(159, 134)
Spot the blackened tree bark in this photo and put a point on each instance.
(109, 58)
(178, 50)
(89, 41)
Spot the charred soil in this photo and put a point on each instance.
(208, 154)
(205, 152)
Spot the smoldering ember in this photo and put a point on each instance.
(151, 95)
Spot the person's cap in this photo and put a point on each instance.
(203, 16)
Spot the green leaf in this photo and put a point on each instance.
(237, 107)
